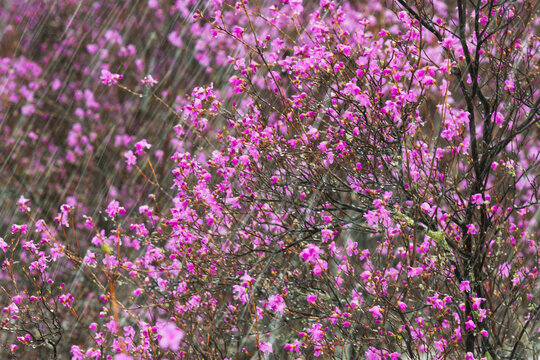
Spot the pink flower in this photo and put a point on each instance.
(108, 78)
(376, 312)
(509, 85)
(476, 302)
(141, 146)
(24, 204)
(416, 271)
(3, 245)
(311, 298)
(123, 357)
(471, 229)
(149, 81)
(114, 209)
(175, 39)
(277, 304)
(240, 294)
(171, 336)
(316, 332)
(266, 348)
(464, 286)
(470, 325)
(246, 280)
(238, 31)
(402, 306)
(131, 159)
(504, 270)
(75, 351)
(477, 199)
(311, 254)
(327, 235)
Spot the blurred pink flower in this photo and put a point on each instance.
(171, 336)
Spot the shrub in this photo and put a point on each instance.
(354, 181)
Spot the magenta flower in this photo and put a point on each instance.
(316, 332)
(114, 209)
(509, 85)
(311, 298)
(464, 286)
(3, 245)
(311, 253)
(131, 159)
(277, 304)
(470, 325)
(149, 81)
(175, 39)
(141, 146)
(471, 229)
(238, 31)
(376, 312)
(240, 294)
(265, 347)
(123, 357)
(415, 271)
(476, 302)
(24, 204)
(477, 199)
(171, 336)
(108, 78)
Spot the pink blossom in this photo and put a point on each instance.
(24, 204)
(141, 146)
(63, 216)
(148, 80)
(123, 357)
(311, 253)
(3, 245)
(471, 229)
(246, 280)
(477, 199)
(327, 235)
(509, 85)
(316, 333)
(265, 347)
(376, 312)
(240, 294)
(504, 270)
(108, 78)
(311, 298)
(277, 304)
(470, 325)
(238, 31)
(476, 302)
(114, 209)
(464, 286)
(170, 337)
(131, 159)
(175, 39)
(415, 271)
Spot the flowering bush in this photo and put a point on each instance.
(291, 180)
